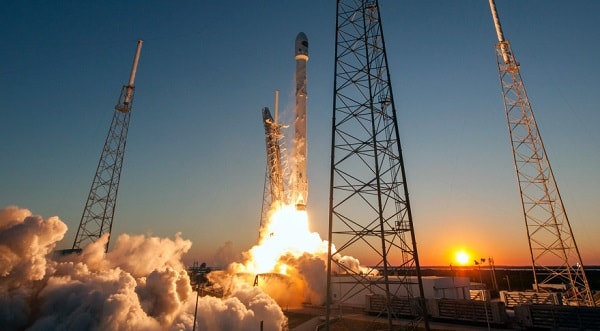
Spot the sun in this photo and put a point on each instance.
(462, 257)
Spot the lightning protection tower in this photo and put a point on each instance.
(99, 209)
(370, 214)
(554, 253)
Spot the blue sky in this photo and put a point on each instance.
(195, 156)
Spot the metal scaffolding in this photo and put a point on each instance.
(370, 216)
(99, 209)
(554, 254)
(274, 192)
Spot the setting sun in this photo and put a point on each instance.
(462, 257)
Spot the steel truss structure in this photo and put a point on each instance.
(554, 253)
(100, 206)
(274, 192)
(370, 214)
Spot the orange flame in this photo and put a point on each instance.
(287, 233)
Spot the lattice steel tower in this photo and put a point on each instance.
(99, 209)
(274, 192)
(554, 253)
(370, 213)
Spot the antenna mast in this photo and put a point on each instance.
(99, 209)
(554, 253)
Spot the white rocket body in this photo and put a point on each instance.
(503, 46)
(300, 180)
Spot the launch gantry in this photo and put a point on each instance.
(274, 193)
(554, 253)
(99, 209)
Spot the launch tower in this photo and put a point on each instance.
(274, 193)
(554, 253)
(99, 209)
(370, 215)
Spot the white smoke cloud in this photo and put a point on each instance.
(24, 241)
(352, 264)
(140, 284)
(312, 270)
(243, 310)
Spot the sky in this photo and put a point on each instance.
(195, 159)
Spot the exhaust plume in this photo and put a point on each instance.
(140, 285)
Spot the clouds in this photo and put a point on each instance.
(243, 310)
(140, 284)
(25, 239)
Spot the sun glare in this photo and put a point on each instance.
(462, 257)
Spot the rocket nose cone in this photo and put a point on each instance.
(301, 44)
(301, 36)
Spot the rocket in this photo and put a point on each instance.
(300, 181)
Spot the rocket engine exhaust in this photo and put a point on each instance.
(300, 181)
